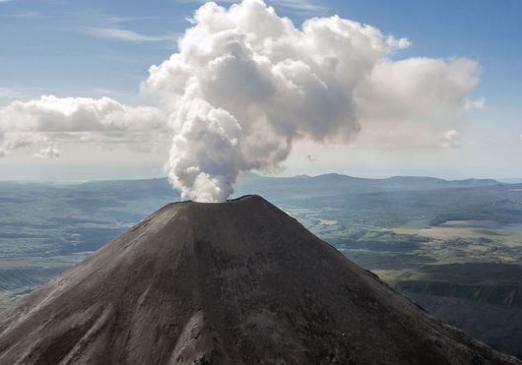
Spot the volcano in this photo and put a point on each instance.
(239, 282)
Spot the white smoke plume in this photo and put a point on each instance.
(245, 84)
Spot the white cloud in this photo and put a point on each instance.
(54, 114)
(246, 83)
(50, 119)
(126, 35)
(452, 139)
(397, 44)
(118, 19)
(411, 102)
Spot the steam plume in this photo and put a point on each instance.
(246, 83)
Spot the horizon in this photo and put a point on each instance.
(256, 174)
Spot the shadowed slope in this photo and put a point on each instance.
(233, 283)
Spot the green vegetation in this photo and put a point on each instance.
(428, 237)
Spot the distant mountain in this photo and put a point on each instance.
(335, 183)
(292, 190)
(233, 283)
(338, 181)
(511, 181)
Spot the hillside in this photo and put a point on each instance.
(233, 283)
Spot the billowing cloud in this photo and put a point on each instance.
(412, 102)
(50, 113)
(246, 83)
(50, 119)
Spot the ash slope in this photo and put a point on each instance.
(233, 283)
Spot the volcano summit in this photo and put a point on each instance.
(239, 282)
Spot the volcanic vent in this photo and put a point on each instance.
(233, 283)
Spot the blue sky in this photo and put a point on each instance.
(46, 43)
(95, 48)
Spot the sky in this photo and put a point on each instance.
(95, 49)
